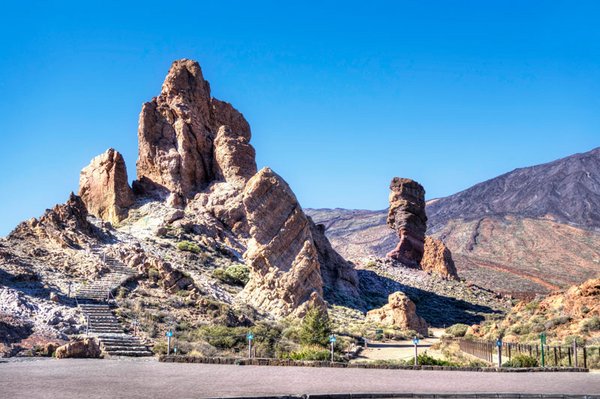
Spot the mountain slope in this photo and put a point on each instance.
(528, 231)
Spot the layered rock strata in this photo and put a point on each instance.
(104, 188)
(282, 257)
(407, 217)
(399, 312)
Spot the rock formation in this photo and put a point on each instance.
(282, 257)
(399, 312)
(85, 348)
(339, 276)
(65, 225)
(104, 188)
(188, 139)
(437, 259)
(407, 217)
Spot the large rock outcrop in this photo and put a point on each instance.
(85, 348)
(437, 259)
(339, 276)
(187, 139)
(104, 188)
(407, 217)
(282, 257)
(399, 312)
(65, 225)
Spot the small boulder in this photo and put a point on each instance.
(85, 348)
(400, 312)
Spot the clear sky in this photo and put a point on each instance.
(341, 96)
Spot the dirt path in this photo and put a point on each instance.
(400, 350)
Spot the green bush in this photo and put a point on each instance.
(311, 352)
(223, 337)
(425, 360)
(315, 328)
(234, 275)
(188, 246)
(519, 361)
(160, 348)
(590, 325)
(457, 330)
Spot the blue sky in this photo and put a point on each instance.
(341, 96)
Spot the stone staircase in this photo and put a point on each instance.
(94, 301)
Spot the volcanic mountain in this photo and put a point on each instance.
(531, 230)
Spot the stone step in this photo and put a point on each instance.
(131, 353)
(111, 348)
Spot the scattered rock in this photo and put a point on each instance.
(104, 188)
(400, 312)
(65, 225)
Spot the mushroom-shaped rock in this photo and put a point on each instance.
(407, 217)
(104, 188)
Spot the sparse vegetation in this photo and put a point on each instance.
(520, 360)
(235, 275)
(457, 330)
(189, 246)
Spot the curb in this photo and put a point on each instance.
(294, 363)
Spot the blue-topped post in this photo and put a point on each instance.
(332, 340)
(416, 343)
(250, 337)
(499, 345)
(169, 334)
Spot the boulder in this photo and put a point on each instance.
(177, 132)
(283, 261)
(437, 259)
(104, 188)
(407, 217)
(399, 312)
(85, 348)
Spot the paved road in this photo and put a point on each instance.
(147, 379)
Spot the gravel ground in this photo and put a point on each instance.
(81, 378)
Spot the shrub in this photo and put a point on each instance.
(223, 337)
(315, 329)
(160, 348)
(590, 325)
(311, 352)
(457, 330)
(425, 360)
(234, 275)
(519, 361)
(188, 246)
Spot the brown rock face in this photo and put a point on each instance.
(65, 225)
(339, 276)
(282, 257)
(407, 217)
(86, 348)
(177, 133)
(400, 312)
(437, 259)
(104, 188)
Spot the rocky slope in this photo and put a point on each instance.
(200, 240)
(529, 231)
(562, 315)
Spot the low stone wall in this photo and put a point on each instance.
(295, 363)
